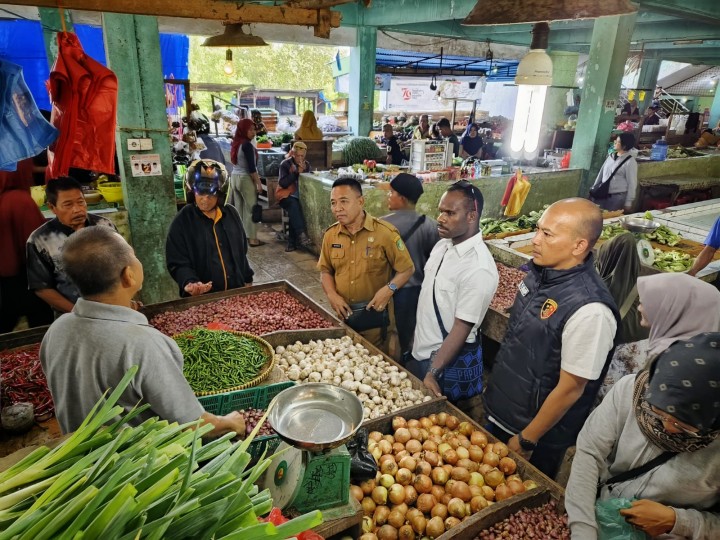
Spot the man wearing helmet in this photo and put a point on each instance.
(206, 248)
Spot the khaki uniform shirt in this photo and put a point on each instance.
(363, 263)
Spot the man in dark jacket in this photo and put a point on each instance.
(206, 248)
(559, 343)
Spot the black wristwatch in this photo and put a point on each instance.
(525, 444)
(435, 372)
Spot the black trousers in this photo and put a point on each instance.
(17, 301)
(548, 460)
(297, 221)
(406, 301)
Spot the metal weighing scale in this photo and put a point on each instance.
(639, 226)
(313, 469)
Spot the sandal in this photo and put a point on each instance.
(258, 243)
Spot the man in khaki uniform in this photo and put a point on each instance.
(359, 255)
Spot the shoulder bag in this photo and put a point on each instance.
(462, 379)
(633, 473)
(603, 190)
(415, 227)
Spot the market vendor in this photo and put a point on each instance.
(46, 275)
(654, 440)
(88, 351)
(422, 131)
(447, 133)
(559, 343)
(395, 155)
(471, 144)
(206, 247)
(651, 117)
(308, 130)
(358, 257)
(712, 244)
(260, 129)
(287, 195)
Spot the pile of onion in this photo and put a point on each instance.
(434, 473)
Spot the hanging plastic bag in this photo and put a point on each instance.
(519, 194)
(612, 525)
(362, 463)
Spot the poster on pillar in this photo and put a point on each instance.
(414, 94)
(146, 165)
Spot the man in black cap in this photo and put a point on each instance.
(420, 235)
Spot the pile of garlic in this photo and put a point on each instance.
(380, 385)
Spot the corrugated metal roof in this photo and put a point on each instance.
(407, 61)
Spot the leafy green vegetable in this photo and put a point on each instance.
(358, 149)
(262, 139)
(498, 226)
(672, 261)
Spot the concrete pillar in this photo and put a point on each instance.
(52, 23)
(649, 70)
(603, 78)
(132, 43)
(362, 80)
(714, 109)
(564, 71)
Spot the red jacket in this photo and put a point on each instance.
(84, 107)
(19, 216)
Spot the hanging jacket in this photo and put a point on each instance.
(527, 368)
(23, 130)
(83, 93)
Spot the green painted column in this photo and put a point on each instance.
(362, 80)
(564, 71)
(714, 109)
(132, 43)
(649, 71)
(608, 52)
(52, 24)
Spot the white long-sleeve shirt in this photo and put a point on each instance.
(611, 442)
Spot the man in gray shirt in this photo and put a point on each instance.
(87, 351)
(420, 235)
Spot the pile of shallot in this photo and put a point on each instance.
(382, 387)
(509, 279)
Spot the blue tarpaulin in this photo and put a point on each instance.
(21, 42)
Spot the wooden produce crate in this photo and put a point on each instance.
(14, 340)
(290, 337)
(469, 528)
(275, 286)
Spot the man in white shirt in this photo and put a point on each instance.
(461, 279)
(560, 339)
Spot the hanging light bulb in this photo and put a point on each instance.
(228, 67)
(534, 75)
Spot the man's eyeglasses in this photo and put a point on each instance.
(666, 420)
(470, 189)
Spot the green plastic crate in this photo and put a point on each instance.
(250, 398)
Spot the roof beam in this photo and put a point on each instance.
(234, 12)
(385, 12)
(707, 11)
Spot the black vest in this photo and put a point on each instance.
(527, 368)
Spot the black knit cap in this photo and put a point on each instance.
(408, 186)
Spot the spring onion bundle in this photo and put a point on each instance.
(157, 480)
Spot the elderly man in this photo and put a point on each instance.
(358, 257)
(206, 247)
(87, 351)
(559, 343)
(44, 246)
(460, 281)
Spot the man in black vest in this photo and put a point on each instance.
(559, 342)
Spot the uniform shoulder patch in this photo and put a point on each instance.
(400, 244)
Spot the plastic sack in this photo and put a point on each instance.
(362, 463)
(612, 525)
(276, 518)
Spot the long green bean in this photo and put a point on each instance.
(216, 360)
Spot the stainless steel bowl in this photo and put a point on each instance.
(638, 225)
(316, 416)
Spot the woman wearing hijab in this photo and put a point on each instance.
(19, 216)
(672, 307)
(308, 130)
(667, 419)
(245, 183)
(471, 144)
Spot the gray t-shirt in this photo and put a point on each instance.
(88, 350)
(420, 244)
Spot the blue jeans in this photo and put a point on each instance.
(297, 221)
(406, 301)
